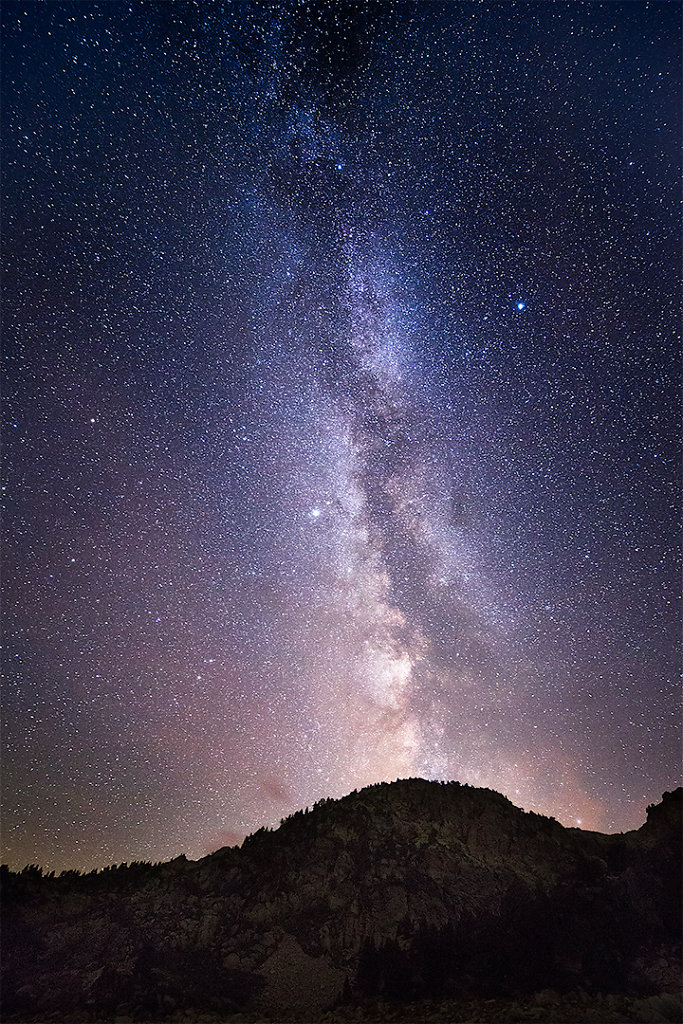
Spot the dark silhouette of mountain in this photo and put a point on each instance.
(440, 899)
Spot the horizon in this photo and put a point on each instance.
(275, 826)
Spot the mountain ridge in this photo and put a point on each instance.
(404, 891)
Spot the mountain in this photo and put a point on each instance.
(418, 897)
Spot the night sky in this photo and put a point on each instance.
(340, 413)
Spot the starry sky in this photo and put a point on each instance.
(340, 412)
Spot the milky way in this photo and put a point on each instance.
(340, 413)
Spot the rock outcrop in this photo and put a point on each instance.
(410, 892)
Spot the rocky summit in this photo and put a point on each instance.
(412, 900)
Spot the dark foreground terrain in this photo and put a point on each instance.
(410, 901)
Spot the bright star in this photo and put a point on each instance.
(314, 513)
(521, 306)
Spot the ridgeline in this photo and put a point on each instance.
(412, 900)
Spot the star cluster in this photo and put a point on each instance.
(340, 413)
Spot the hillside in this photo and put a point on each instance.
(407, 893)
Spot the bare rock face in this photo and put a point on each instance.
(296, 982)
(410, 891)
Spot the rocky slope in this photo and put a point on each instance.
(410, 893)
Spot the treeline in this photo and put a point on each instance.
(35, 871)
(114, 876)
(417, 788)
